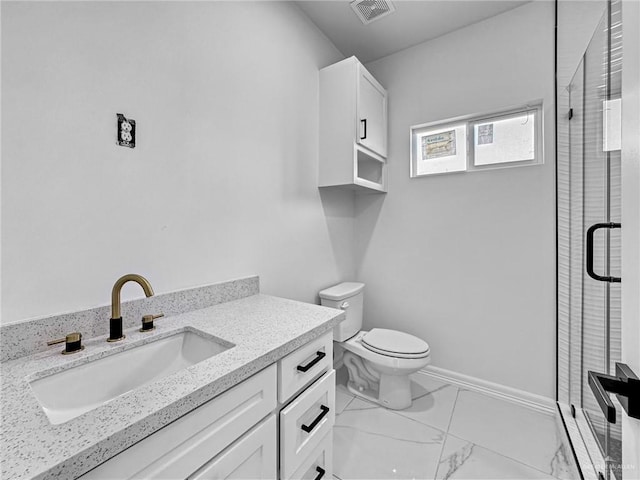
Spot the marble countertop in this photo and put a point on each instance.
(262, 328)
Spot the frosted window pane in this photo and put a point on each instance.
(505, 140)
(441, 150)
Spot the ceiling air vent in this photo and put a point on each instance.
(370, 10)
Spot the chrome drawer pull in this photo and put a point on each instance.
(308, 428)
(304, 368)
(321, 471)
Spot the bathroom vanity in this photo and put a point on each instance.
(249, 430)
(261, 407)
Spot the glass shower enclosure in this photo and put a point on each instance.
(588, 230)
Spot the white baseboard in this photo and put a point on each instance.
(526, 399)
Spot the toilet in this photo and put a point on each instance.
(379, 361)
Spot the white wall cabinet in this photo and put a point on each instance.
(372, 113)
(279, 420)
(353, 128)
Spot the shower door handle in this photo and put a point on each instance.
(592, 229)
(626, 386)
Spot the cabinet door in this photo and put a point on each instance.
(251, 457)
(372, 114)
(184, 445)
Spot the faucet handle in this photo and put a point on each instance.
(73, 343)
(147, 322)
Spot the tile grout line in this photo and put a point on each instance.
(455, 403)
(446, 434)
(348, 403)
(398, 412)
(521, 462)
(393, 412)
(431, 392)
(384, 435)
(503, 456)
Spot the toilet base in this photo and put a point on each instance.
(367, 394)
(394, 392)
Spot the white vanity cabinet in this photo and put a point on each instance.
(353, 128)
(275, 424)
(252, 456)
(182, 447)
(305, 423)
(307, 384)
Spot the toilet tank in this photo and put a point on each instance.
(347, 296)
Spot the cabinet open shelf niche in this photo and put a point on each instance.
(371, 172)
(353, 128)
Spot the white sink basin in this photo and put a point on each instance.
(70, 393)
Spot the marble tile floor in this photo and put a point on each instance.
(448, 433)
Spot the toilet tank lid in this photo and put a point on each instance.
(341, 291)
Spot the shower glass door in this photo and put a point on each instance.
(589, 194)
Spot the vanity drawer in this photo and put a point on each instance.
(181, 447)
(305, 422)
(319, 465)
(302, 366)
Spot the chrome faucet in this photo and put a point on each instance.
(115, 323)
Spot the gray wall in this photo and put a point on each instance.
(466, 260)
(223, 181)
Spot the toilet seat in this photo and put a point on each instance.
(395, 344)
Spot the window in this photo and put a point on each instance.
(504, 139)
(442, 149)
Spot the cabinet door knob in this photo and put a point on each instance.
(321, 471)
(364, 124)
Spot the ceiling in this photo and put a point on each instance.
(413, 22)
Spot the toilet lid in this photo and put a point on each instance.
(395, 344)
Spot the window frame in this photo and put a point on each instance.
(416, 132)
(470, 122)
